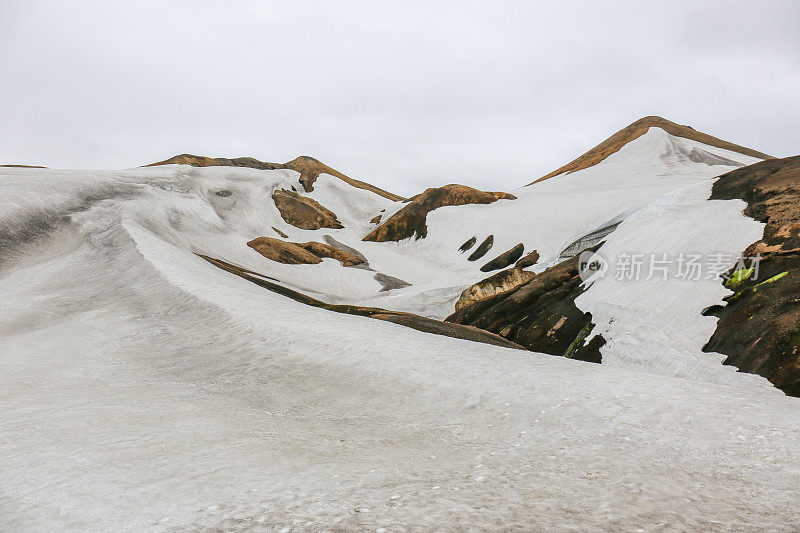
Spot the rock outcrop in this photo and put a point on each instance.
(308, 167)
(759, 328)
(481, 250)
(288, 253)
(636, 130)
(410, 220)
(469, 243)
(540, 314)
(529, 260)
(504, 259)
(502, 281)
(293, 253)
(302, 212)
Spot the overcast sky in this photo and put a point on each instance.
(402, 94)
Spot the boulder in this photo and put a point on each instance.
(467, 245)
(293, 253)
(302, 212)
(481, 250)
(504, 259)
(285, 252)
(528, 260)
(326, 250)
(500, 282)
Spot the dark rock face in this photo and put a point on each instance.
(294, 253)
(759, 328)
(539, 314)
(529, 260)
(417, 322)
(504, 259)
(481, 250)
(375, 219)
(467, 245)
(502, 281)
(302, 212)
(410, 220)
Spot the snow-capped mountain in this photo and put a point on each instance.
(230, 344)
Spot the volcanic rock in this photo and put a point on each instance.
(293, 253)
(288, 253)
(326, 250)
(467, 245)
(499, 282)
(410, 220)
(504, 259)
(759, 328)
(529, 260)
(303, 212)
(540, 314)
(481, 250)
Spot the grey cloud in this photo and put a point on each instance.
(403, 94)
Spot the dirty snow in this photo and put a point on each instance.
(141, 388)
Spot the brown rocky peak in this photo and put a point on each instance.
(636, 130)
(410, 220)
(308, 167)
(302, 212)
(203, 161)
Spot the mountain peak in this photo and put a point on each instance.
(635, 130)
(308, 167)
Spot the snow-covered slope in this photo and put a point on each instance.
(143, 388)
(549, 215)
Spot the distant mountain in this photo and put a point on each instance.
(636, 130)
(308, 167)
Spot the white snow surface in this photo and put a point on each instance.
(142, 388)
